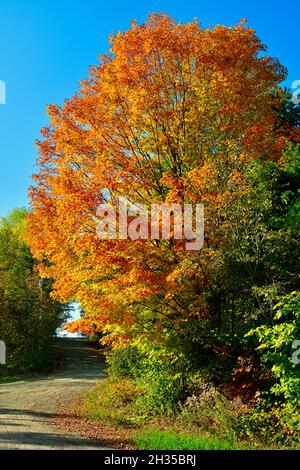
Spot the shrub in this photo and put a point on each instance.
(124, 362)
(207, 409)
(276, 341)
(159, 371)
(164, 376)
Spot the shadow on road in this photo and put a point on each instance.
(28, 406)
(47, 440)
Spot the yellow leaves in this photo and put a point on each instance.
(171, 116)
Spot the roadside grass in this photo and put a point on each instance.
(113, 402)
(10, 378)
(156, 439)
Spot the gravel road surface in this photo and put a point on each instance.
(27, 406)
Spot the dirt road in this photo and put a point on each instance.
(27, 406)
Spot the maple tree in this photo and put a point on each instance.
(174, 113)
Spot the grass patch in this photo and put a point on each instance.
(155, 439)
(112, 402)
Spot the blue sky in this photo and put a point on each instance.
(46, 47)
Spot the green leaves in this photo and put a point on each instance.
(276, 346)
(28, 317)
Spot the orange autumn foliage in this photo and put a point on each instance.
(172, 114)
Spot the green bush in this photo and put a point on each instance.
(281, 401)
(161, 373)
(124, 362)
(164, 376)
(270, 425)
